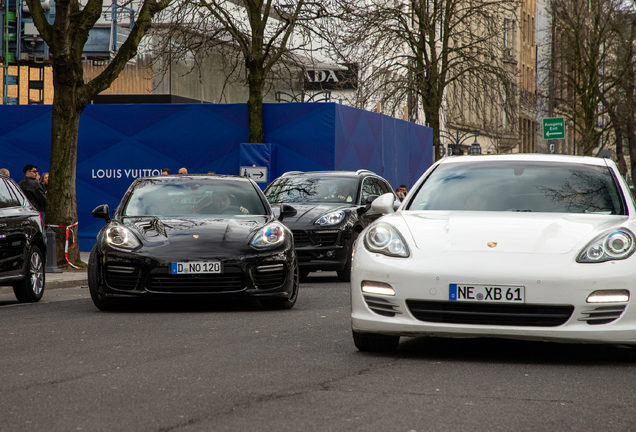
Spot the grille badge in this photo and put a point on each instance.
(492, 244)
(196, 236)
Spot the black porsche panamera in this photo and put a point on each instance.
(193, 235)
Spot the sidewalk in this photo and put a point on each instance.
(66, 279)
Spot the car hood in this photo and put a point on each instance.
(504, 231)
(307, 214)
(191, 236)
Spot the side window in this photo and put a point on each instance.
(384, 187)
(17, 193)
(368, 188)
(7, 199)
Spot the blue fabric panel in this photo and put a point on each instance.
(305, 131)
(118, 143)
(260, 155)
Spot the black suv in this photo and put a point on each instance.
(22, 243)
(333, 207)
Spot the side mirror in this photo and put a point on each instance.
(384, 203)
(101, 212)
(286, 211)
(368, 202)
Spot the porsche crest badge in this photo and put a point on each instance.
(492, 244)
(196, 236)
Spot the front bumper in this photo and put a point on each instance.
(321, 249)
(555, 285)
(139, 275)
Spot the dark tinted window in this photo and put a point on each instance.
(194, 198)
(312, 189)
(17, 192)
(7, 199)
(520, 186)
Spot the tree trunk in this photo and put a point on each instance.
(67, 109)
(255, 103)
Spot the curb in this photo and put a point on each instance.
(59, 284)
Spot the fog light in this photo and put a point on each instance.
(330, 254)
(608, 296)
(372, 287)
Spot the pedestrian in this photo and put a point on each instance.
(32, 189)
(401, 192)
(44, 181)
(183, 171)
(5, 172)
(166, 171)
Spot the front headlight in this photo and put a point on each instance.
(331, 218)
(121, 237)
(615, 245)
(383, 238)
(271, 235)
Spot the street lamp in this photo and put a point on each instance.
(475, 148)
(457, 140)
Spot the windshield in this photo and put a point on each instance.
(312, 190)
(520, 186)
(194, 198)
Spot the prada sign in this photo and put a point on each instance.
(332, 79)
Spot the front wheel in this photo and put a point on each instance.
(373, 342)
(289, 302)
(345, 274)
(102, 303)
(31, 288)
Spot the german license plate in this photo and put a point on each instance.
(196, 267)
(486, 293)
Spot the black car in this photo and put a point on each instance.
(193, 235)
(22, 243)
(333, 208)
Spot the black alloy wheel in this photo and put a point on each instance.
(345, 274)
(31, 288)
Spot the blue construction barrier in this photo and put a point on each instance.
(119, 143)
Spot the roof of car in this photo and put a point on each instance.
(528, 157)
(330, 173)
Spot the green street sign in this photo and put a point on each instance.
(553, 128)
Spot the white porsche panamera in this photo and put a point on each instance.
(537, 247)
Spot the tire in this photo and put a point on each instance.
(372, 342)
(102, 303)
(345, 274)
(275, 303)
(31, 288)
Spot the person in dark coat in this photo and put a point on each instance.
(32, 189)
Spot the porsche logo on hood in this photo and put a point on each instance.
(492, 244)
(196, 236)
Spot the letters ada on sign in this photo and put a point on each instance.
(332, 79)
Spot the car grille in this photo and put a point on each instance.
(122, 277)
(381, 306)
(490, 314)
(315, 238)
(301, 239)
(207, 283)
(269, 276)
(602, 314)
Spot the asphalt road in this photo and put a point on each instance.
(235, 367)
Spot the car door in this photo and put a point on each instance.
(19, 227)
(7, 229)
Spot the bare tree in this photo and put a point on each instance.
(584, 69)
(66, 38)
(444, 57)
(255, 39)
